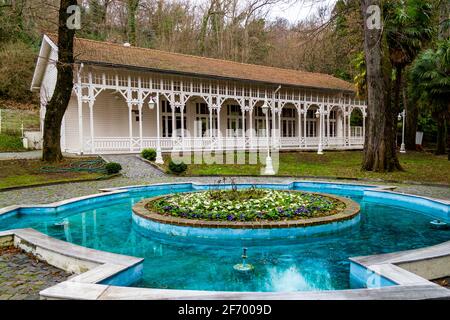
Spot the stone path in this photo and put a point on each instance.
(133, 167)
(22, 276)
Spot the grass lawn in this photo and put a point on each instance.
(10, 143)
(418, 166)
(19, 173)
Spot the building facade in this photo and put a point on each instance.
(126, 99)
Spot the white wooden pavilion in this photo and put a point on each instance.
(127, 98)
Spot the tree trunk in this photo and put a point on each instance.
(380, 148)
(441, 136)
(57, 106)
(412, 114)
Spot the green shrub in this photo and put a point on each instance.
(149, 154)
(177, 168)
(113, 167)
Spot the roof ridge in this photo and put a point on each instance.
(202, 57)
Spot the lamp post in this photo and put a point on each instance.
(151, 105)
(269, 167)
(402, 115)
(320, 148)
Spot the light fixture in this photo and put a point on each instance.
(265, 107)
(317, 113)
(151, 104)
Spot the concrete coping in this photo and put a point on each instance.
(89, 266)
(350, 211)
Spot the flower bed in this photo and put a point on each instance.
(246, 205)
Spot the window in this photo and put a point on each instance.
(201, 108)
(234, 120)
(311, 123)
(202, 120)
(260, 121)
(136, 115)
(167, 125)
(288, 127)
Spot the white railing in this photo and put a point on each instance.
(356, 132)
(125, 144)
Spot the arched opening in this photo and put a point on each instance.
(259, 120)
(288, 126)
(233, 119)
(356, 123)
(335, 122)
(312, 121)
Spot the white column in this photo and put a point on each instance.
(304, 124)
(218, 135)
(269, 166)
(140, 125)
(174, 123)
(130, 124)
(299, 114)
(250, 114)
(273, 135)
(327, 114)
(279, 126)
(321, 127)
(210, 118)
(80, 119)
(344, 126)
(182, 125)
(159, 158)
(243, 127)
(349, 115)
(91, 124)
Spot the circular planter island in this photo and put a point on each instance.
(246, 214)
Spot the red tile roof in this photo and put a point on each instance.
(113, 54)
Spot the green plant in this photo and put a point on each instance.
(113, 167)
(177, 168)
(149, 154)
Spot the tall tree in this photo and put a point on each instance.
(408, 28)
(64, 83)
(430, 79)
(379, 155)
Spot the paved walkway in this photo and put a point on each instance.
(22, 276)
(133, 167)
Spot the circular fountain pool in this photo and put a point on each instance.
(247, 214)
(389, 222)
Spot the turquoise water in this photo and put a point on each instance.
(314, 263)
